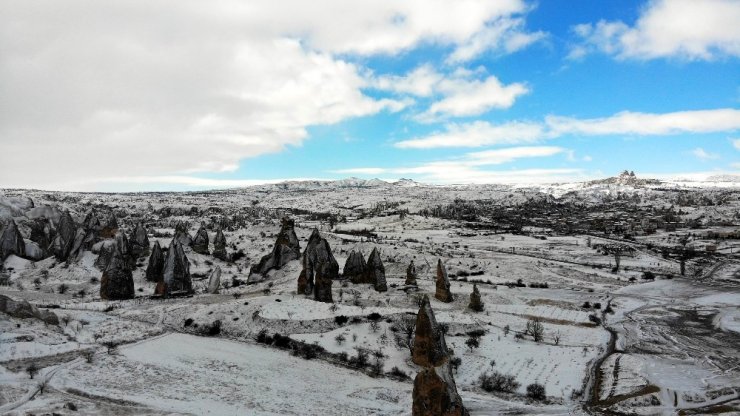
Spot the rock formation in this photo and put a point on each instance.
(176, 274)
(214, 281)
(354, 267)
(435, 392)
(476, 303)
(155, 268)
(200, 242)
(11, 241)
(320, 268)
(429, 348)
(64, 240)
(286, 248)
(117, 281)
(42, 233)
(139, 241)
(23, 310)
(181, 234)
(443, 284)
(376, 271)
(219, 246)
(411, 275)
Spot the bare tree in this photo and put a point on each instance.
(535, 329)
(32, 370)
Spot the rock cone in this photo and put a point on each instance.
(176, 275)
(443, 284)
(354, 267)
(476, 303)
(376, 271)
(139, 241)
(200, 242)
(286, 248)
(435, 393)
(181, 234)
(117, 281)
(430, 348)
(62, 244)
(155, 268)
(320, 268)
(219, 246)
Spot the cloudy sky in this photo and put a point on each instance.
(142, 95)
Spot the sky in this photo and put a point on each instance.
(153, 95)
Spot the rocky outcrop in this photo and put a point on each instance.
(64, 240)
(42, 233)
(219, 246)
(320, 268)
(117, 282)
(411, 275)
(176, 275)
(155, 268)
(200, 242)
(23, 310)
(354, 267)
(139, 241)
(376, 271)
(476, 303)
(182, 235)
(443, 284)
(108, 249)
(287, 248)
(430, 348)
(11, 241)
(214, 281)
(435, 393)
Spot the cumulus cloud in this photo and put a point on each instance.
(461, 93)
(482, 133)
(686, 29)
(506, 35)
(145, 88)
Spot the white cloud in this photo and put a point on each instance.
(461, 93)
(477, 134)
(687, 29)
(627, 122)
(482, 133)
(703, 155)
(507, 35)
(144, 88)
(468, 168)
(736, 143)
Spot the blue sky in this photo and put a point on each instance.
(439, 92)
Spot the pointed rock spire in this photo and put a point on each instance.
(443, 284)
(354, 267)
(411, 275)
(181, 234)
(139, 241)
(200, 242)
(286, 248)
(320, 268)
(219, 246)
(430, 348)
(435, 393)
(176, 275)
(155, 268)
(117, 281)
(376, 271)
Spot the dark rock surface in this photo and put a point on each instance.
(139, 241)
(286, 248)
(219, 246)
(411, 275)
(320, 268)
(443, 284)
(200, 242)
(155, 267)
(176, 274)
(354, 267)
(117, 282)
(11, 241)
(430, 348)
(376, 271)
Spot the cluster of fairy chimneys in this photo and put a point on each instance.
(170, 270)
